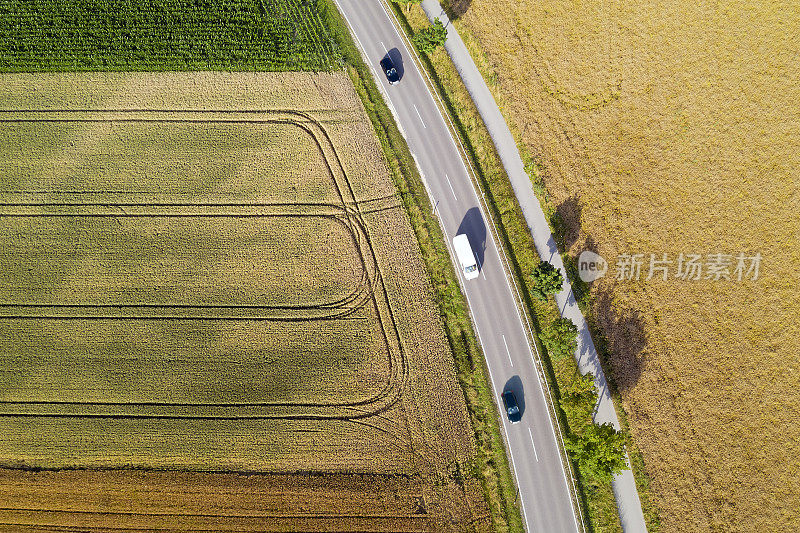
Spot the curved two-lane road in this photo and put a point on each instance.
(543, 485)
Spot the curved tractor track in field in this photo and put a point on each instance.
(369, 294)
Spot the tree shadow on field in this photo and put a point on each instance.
(622, 343)
(568, 215)
(456, 8)
(473, 226)
(580, 288)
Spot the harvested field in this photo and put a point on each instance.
(198, 276)
(90, 501)
(672, 128)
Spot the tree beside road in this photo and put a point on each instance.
(547, 280)
(429, 39)
(408, 3)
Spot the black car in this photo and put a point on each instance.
(388, 68)
(512, 407)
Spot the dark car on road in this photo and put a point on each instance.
(389, 69)
(512, 407)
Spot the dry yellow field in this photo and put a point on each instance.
(214, 272)
(669, 128)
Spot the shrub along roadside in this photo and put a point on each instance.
(545, 280)
(560, 338)
(491, 466)
(595, 496)
(407, 3)
(580, 290)
(599, 450)
(429, 39)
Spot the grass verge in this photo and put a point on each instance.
(595, 497)
(491, 467)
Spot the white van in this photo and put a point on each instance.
(466, 257)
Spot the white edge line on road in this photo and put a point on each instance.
(375, 75)
(452, 190)
(507, 350)
(502, 420)
(534, 445)
(420, 117)
(425, 183)
(494, 389)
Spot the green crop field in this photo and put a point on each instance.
(70, 35)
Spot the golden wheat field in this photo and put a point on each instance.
(213, 272)
(673, 128)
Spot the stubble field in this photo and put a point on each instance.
(213, 272)
(672, 128)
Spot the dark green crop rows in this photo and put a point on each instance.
(68, 35)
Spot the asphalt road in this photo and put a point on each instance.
(543, 485)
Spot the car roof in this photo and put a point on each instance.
(512, 407)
